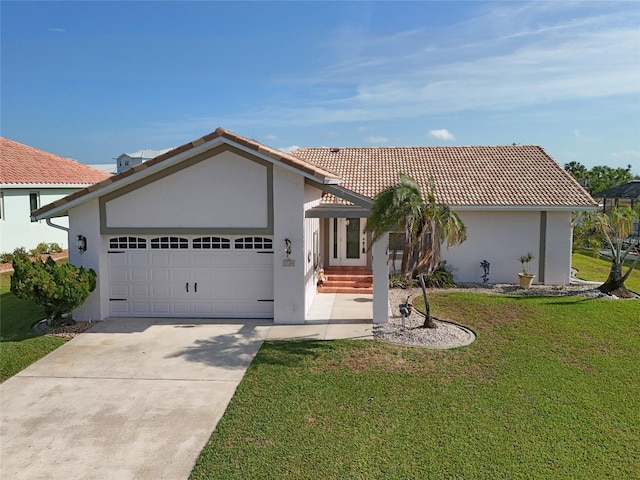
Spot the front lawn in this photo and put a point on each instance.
(549, 390)
(19, 345)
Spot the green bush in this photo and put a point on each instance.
(59, 288)
(397, 280)
(6, 257)
(40, 249)
(441, 277)
(55, 248)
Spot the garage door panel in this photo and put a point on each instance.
(140, 290)
(181, 259)
(161, 308)
(140, 307)
(139, 275)
(160, 259)
(138, 258)
(118, 291)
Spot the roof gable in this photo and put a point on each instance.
(24, 165)
(184, 152)
(514, 176)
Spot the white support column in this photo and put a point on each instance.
(380, 280)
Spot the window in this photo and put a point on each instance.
(397, 241)
(169, 242)
(253, 243)
(1, 206)
(34, 201)
(127, 242)
(213, 243)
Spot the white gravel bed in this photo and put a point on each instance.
(451, 335)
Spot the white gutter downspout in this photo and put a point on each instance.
(60, 227)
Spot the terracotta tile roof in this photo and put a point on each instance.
(21, 164)
(308, 167)
(464, 176)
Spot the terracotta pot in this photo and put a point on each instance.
(526, 280)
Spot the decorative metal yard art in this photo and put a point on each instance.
(485, 266)
(405, 310)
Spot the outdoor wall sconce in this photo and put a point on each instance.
(81, 243)
(287, 247)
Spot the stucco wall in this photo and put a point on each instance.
(312, 198)
(84, 221)
(201, 195)
(16, 226)
(501, 237)
(288, 205)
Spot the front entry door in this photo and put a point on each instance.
(348, 242)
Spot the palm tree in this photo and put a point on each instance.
(402, 207)
(616, 228)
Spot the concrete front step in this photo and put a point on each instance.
(357, 290)
(356, 280)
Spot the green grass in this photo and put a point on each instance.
(597, 269)
(19, 345)
(549, 390)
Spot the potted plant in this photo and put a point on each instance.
(526, 278)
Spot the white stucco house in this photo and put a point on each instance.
(129, 160)
(227, 227)
(30, 178)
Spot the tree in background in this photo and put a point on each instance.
(599, 178)
(402, 207)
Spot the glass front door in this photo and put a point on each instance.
(348, 242)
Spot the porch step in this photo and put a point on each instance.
(347, 280)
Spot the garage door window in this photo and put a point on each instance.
(211, 243)
(169, 242)
(253, 243)
(128, 242)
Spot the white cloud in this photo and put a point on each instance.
(270, 137)
(627, 154)
(57, 30)
(441, 134)
(377, 139)
(362, 129)
(289, 149)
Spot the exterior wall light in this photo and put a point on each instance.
(81, 243)
(287, 247)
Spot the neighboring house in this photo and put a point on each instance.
(30, 178)
(129, 160)
(227, 227)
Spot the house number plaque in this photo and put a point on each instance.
(288, 262)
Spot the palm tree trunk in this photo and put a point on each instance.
(615, 282)
(428, 319)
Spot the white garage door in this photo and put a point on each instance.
(180, 276)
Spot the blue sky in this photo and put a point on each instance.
(91, 80)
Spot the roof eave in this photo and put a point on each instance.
(43, 185)
(525, 208)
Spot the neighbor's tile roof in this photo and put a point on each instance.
(303, 165)
(21, 164)
(515, 175)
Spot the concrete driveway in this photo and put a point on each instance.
(129, 399)
(139, 398)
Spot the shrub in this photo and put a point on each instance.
(441, 277)
(397, 280)
(55, 248)
(58, 288)
(6, 257)
(40, 249)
